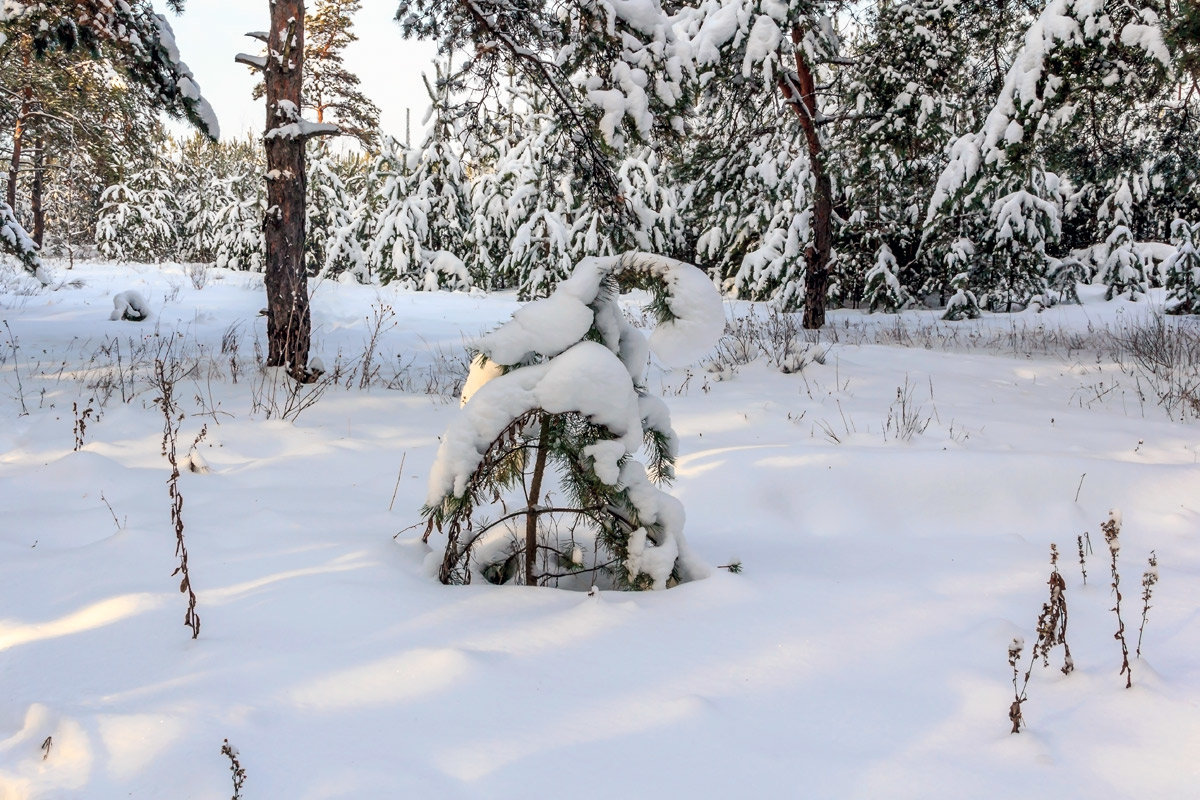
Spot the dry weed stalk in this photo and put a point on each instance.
(12, 345)
(1112, 531)
(1014, 710)
(164, 381)
(1149, 579)
(1051, 631)
(381, 321)
(1082, 541)
(235, 766)
(81, 418)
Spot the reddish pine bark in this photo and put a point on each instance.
(289, 325)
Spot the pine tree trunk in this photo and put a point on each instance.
(289, 326)
(535, 493)
(35, 191)
(14, 167)
(802, 97)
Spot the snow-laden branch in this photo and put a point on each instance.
(1034, 102)
(691, 322)
(293, 126)
(201, 110)
(16, 241)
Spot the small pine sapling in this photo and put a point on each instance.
(1149, 579)
(1063, 277)
(1112, 532)
(883, 289)
(558, 392)
(1183, 269)
(1122, 271)
(963, 304)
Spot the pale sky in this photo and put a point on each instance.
(210, 34)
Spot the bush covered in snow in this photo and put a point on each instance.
(557, 391)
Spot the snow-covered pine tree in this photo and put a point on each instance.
(959, 260)
(883, 290)
(118, 219)
(439, 178)
(240, 244)
(328, 207)
(904, 92)
(556, 397)
(15, 241)
(136, 46)
(201, 194)
(1077, 67)
(1183, 269)
(530, 184)
(1121, 268)
(330, 89)
(400, 224)
(746, 203)
(215, 179)
(139, 219)
(654, 202)
(352, 242)
(777, 62)
(1023, 223)
(1063, 276)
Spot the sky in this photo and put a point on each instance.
(211, 32)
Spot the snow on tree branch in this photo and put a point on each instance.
(17, 242)
(1074, 47)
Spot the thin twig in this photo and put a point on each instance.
(398, 474)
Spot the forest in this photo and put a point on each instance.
(703, 397)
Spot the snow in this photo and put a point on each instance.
(303, 129)
(129, 305)
(861, 653)
(588, 378)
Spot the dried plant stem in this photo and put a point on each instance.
(12, 344)
(1149, 579)
(1112, 530)
(116, 521)
(1080, 543)
(164, 380)
(235, 766)
(398, 474)
(1051, 631)
(1019, 697)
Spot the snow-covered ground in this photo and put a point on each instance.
(892, 505)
